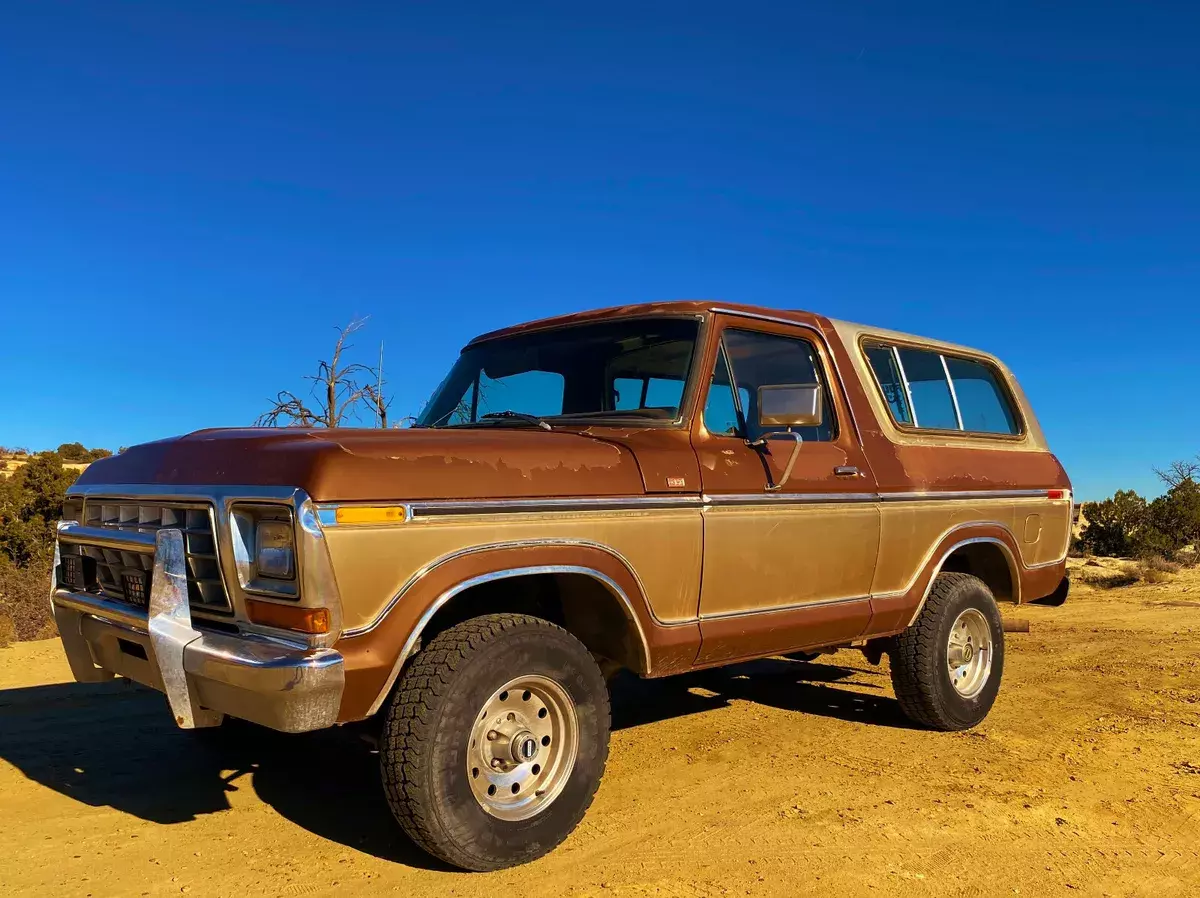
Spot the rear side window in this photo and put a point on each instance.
(887, 372)
(983, 402)
(929, 389)
(934, 391)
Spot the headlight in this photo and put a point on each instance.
(274, 551)
(264, 547)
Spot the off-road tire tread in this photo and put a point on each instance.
(408, 730)
(914, 656)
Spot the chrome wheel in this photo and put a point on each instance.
(522, 747)
(969, 653)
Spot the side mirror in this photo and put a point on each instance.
(788, 405)
(791, 405)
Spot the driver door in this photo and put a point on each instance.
(788, 561)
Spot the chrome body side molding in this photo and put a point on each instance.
(326, 512)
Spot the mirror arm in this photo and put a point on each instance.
(761, 444)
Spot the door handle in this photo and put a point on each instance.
(847, 471)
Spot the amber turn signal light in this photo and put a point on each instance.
(371, 514)
(288, 617)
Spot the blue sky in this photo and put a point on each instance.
(192, 196)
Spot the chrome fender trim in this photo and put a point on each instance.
(1013, 570)
(410, 644)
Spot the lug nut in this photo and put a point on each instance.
(493, 735)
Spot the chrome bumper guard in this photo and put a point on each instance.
(205, 675)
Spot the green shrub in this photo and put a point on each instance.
(1127, 525)
(1111, 524)
(1172, 520)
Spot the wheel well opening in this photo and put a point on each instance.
(989, 563)
(580, 603)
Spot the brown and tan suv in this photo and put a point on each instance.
(658, 488)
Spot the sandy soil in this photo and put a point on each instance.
(774, 778)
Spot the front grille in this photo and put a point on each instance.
(125, 576)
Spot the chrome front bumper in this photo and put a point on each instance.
(205, 675)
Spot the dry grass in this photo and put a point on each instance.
(1114, 573)
(25, 602)
(1103, 573)
(1156, 569)
(1160, 564)
(1152, 575)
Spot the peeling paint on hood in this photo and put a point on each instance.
(349, 464)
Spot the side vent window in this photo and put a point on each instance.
(930, 390)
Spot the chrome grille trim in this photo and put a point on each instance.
(119, 534)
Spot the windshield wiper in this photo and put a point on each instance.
(509, 415)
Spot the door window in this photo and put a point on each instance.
(761, 360)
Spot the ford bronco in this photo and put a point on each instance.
(657, 488)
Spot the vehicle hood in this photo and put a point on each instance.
(350, 464)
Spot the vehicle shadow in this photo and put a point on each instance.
(114, 745)
(781, 683)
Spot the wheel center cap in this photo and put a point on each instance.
(524, 747)
(967, 653)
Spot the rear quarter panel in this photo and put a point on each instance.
(912, 467)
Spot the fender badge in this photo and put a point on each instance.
(676, 482)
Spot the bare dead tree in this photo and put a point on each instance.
(338, 389)
(1178, 471)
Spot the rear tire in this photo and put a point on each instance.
(947, 666)
(461, 785)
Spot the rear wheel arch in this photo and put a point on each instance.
(991, 560)
(984, 551)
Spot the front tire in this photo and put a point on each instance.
(947, 666)
(495, 742)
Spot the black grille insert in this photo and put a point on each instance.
(125, 575)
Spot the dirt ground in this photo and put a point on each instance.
(774, 778)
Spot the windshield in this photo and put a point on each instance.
(630, 369)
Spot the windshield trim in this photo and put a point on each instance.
(690, 385)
